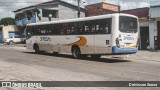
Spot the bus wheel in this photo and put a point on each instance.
(36, 48)
(95, 56)
(76, 52)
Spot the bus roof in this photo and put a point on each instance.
(81, 19)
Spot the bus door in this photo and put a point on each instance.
(45, 39)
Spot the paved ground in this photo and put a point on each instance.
(18, 63)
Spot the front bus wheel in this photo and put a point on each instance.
(76, 52)
(36, 48)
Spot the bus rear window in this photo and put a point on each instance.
(128, 24)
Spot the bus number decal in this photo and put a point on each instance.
(128, 38)
(45, 39)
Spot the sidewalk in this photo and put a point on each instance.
(146, 55)
(140, 55)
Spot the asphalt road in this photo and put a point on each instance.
(18, 63)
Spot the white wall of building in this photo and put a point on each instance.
(152, 32)
(154, 12)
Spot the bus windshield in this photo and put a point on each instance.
(128, 24)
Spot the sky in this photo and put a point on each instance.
(7, 6)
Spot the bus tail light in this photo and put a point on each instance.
(117, 42)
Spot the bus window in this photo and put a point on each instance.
(90, 27)
(81, 28)
(28, 32)
(93, 27)
(128, 24)
(69, 29)
(105, 26)
(87, 27)
(63, 28)
(74, 28)
(50, 29)
(56, 29)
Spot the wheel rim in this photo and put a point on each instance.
(76, 53)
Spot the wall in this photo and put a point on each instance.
(110, 7)
(152, 32)
(100, 9)
(154, 12)
(68, 12)
(64, 12)
(7, 29)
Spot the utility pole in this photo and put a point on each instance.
(79, 12)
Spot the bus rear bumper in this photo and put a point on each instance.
(116, 50)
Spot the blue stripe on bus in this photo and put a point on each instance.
(116, 50)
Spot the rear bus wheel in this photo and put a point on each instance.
(76, 52)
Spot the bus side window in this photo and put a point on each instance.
(75, 32)
(69, 29)
(63, 28)
(81, 29)
(28, 32)
(50, 30)
(105, 26)
(56, 29)
(93, 27)
(87, 27)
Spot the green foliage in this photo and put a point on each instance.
(7, 21)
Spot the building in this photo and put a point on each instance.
(7, 32)
(154, 26)
(47, 11)
(1, 35)
(101, 9)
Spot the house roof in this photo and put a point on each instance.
(139, 12)
(102, 3)
(48, 3)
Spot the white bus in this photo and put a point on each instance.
(94, 36)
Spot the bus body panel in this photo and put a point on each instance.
(103, 44)
(88, 44)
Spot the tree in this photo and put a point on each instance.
(7, 21)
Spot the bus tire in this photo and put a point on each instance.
(36, 48)
(95, 56)
(76, 52)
